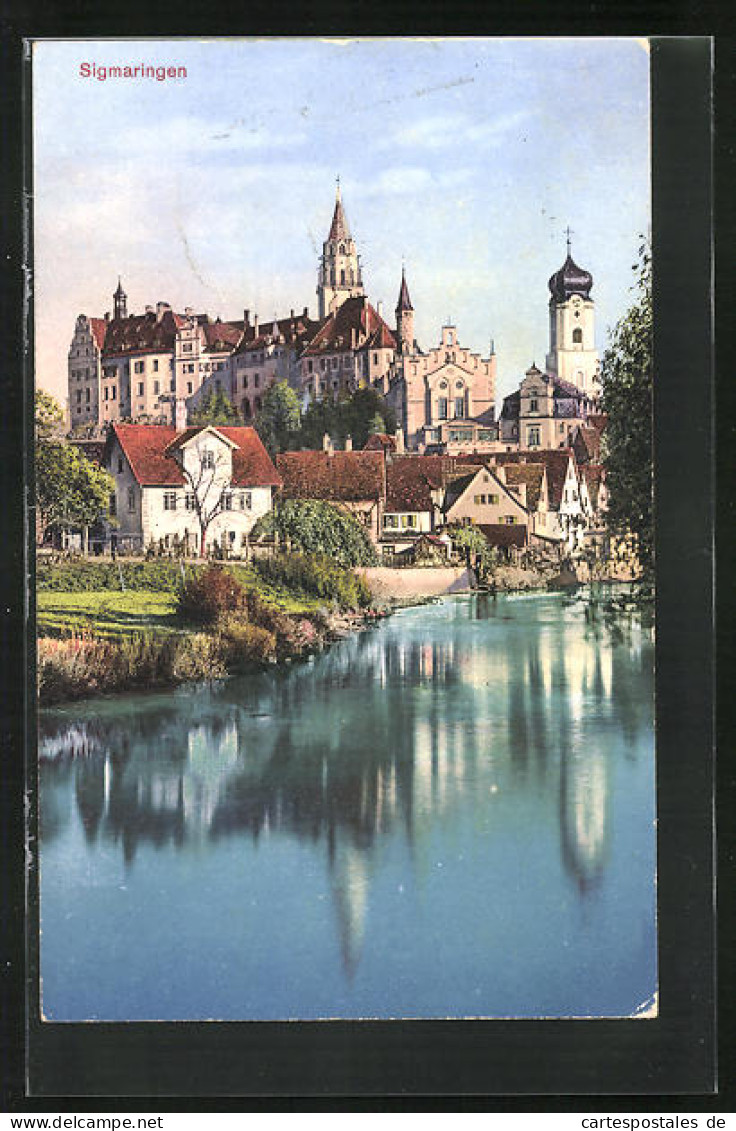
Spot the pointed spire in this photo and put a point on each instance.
(404, 302)
(339, 229)
(119, 290)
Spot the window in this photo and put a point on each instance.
(120, 465)
(562, 429)
(169, 500)
(106, 392)
(138, 367)
(245, 382)
(534, 405)
(375, 359)
(131, 499)
(493, 499)
(187, 347)
(140, 388)
(79, 395)
(408, 521)
(189, 387)
(246, 408)
(189, 501)
(442, 408)
(227, 500)
(155, 365)
(391, 522)
(257, 380)
(310, 366)
(246, 500)
(155, 388)
(86, 395)
(577, 336)
(511, 520)
(534, 437)
(172, 385)
(335, 362)
(114, 392)
(459, 407)
(322, 364)
(113, 507)
(208, 460)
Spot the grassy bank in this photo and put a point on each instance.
(193, 624)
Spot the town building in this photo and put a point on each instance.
(198, 489)
(353, 481)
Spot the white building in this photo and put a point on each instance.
(200, 488)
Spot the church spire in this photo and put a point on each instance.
(404, 318)
(339, 275)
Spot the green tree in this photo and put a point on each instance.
(215, 408)
(357, 415)
(319, 417)
(475, 547)
(626, 380)
(279, 419)
(315, 527)
(71, 491)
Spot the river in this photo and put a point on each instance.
(451, 814)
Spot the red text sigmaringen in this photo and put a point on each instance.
(138, 71)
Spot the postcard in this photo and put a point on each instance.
(344, 529)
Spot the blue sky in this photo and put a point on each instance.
(467, 158)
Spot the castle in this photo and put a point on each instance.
(156, 367)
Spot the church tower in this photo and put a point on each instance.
(404, 318)
(572, 354)
(339, 270)
(120, 302)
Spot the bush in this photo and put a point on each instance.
(313, 526)
(317, 576)
(243, 642)
(210, 593)
(198, 656)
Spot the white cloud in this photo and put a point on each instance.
(444, 131)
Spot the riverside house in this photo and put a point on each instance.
(353, 481)
(167, 480)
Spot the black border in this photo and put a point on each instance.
(672, 1055)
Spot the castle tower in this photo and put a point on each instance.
(572, 354)
(404, 318)
(339, 270)
(120, 302)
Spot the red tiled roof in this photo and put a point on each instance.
(149, 450)
(598, 420)
(380, 442)
(299, 327)
(410, 480)
(502, 534)
(355, 318)
(98, 326)
(594, 475)
(141, 333)
(555, 461)
(340, 476)
(531, 475)
(220, 336)
(381, 339)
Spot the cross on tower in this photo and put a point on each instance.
(568, 233)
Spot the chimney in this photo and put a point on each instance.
(180, 414)
(149, 310)
(107, 315)
(246, 318)
(188, 311)
(255, 325)
(348, 443)
(327, 444)
(161, 308)
(305, 312)
(379, 308)
(399, 438)
(291, 312)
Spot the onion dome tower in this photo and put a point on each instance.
(572, 354)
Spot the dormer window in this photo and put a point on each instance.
(208, 460)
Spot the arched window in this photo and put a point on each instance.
(577, 336)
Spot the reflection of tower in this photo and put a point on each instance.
(349, 881)
(585, 813)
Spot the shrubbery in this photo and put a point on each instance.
(209, 593)
(317, 576)
(83, 576)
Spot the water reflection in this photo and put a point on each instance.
(396, 730)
